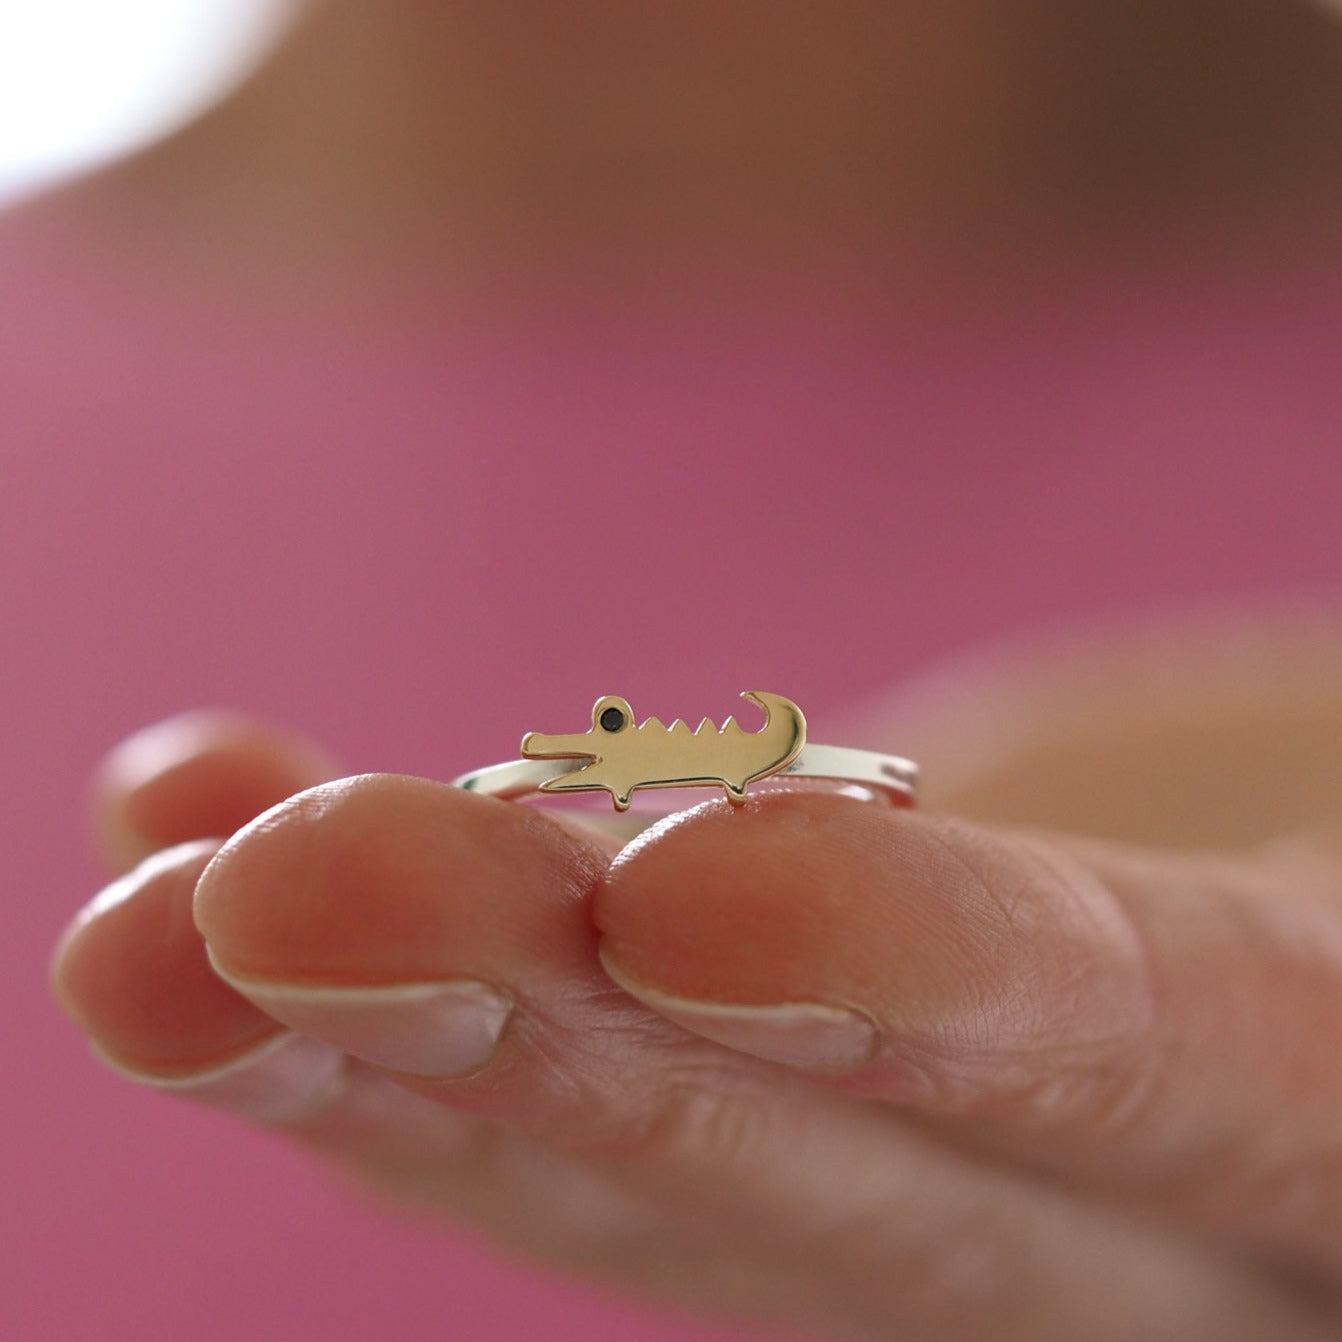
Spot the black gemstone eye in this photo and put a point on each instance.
(612, 720)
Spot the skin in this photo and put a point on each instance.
(1095, 979)
(1098, 1098)
(506, 145)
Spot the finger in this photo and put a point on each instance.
(1162, 1027)
(132, 972)
(198, 775)
(447, 939)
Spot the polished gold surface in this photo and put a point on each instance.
(621, 756)
(618, 757)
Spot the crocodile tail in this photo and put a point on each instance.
(784, 728)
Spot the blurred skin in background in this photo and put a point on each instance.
(1107, 1178)
(497, 135)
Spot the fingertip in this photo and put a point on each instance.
(131, 972)
(382, 879)
(723, 898)
(200, 773)
(103, 922)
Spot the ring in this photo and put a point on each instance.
(616, 756)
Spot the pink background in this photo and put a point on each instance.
(415, 529)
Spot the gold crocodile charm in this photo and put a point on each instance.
(622, 756)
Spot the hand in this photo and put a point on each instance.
(874, 1072)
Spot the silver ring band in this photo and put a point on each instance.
(889, 775)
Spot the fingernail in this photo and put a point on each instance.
(279, 1081)
(810, 1035)
(446, 1029)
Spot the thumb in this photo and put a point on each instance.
(1159, 1027)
